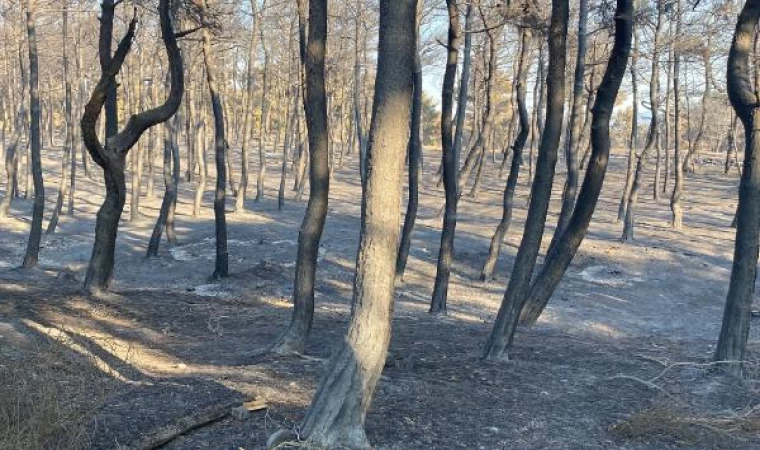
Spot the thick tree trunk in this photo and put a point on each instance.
(567, 245)
(312, 53)
(35, 233)
(337, 413)
(502, 334)
(521, 82)
(450, 156)
(732, 342)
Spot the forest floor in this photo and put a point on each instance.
(619, 360)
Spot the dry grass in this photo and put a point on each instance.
(47, 395)
(688, 427)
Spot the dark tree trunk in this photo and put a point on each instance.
(450, 158)
(501, 336)
(567, 245)
(313, 58)
(572, 140)
(414, 151)
(732, 342)
(337, 413)
(517, 149)
(221, 265)
(171, 180)
(35, 234)
(111, 156)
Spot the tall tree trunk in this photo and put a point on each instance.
(574, 129)
(263, 127)
(517, 148)
(732, 342)
(632, 141)
(312, 52)
(337, 413)
(450, 155)
(502, 334)
(653, 136)
(248, 114)
(35, 233)
(221, 265)
(567, 245)
(414, 150)
(68, 144)
(111, 156)
(675, 199)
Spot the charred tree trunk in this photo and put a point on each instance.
(248, 115)
(312, 53)
(732, 342)
(111, 156)
(171, 180)
(414, 151)
(502, 334)
(221, 265)
(337, 413)
(517, 149)
(35, 233)
(558, 261)
(450, 157)
(572, 140)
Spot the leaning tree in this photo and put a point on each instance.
(111, 154)
(732, 343)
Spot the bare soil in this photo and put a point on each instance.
(168, 341)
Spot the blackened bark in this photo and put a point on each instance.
(517, 149)
(414, 152)
(337, 413)
(221, 264)
(450, 162)
(732, 342)
(567, 245)
(502, 334)
(312, 50)
(35, 234)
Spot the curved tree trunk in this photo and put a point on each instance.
(567, 245)
(450, 162)
(572, 140)
(732, 342)
(517, 149)
(632, 159)
(502, 334)
(337, 413)
(414, 151)
(111, 156)
(315, 105)
(170, 188)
